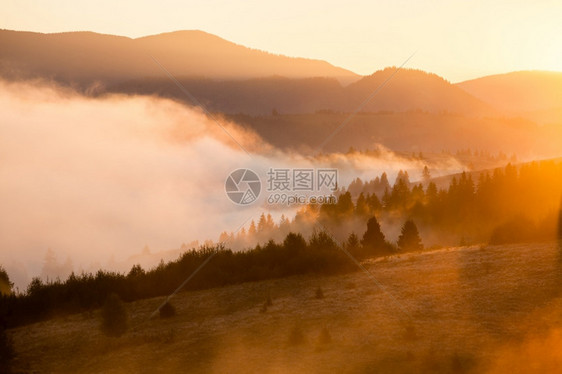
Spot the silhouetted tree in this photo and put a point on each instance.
(386, 199)
(402, 176)
(373, 203)
(294, 242)
(252, 230)
(461, 210)
(167, 310)
(400, 195)
(344, 206)
(426, 175)
(361, 207)
(114, 320)
(409, 239)
(353, 246)
(5, 284)
(136, 271)
(373, 240)
(560, 222)
(517, 229)
(6, 351)
(384, 183)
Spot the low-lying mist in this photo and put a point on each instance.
(96, 180)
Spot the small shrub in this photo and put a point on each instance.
(432, 363)
(268, 302)
(296, 337)
(167, 310)
(6, 351)
(325, 338)
(410, 332)
(114, 319)
(462, 363)
(169, 337)
(516, 230)
(319, 293)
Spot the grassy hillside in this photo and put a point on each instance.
(472, 309)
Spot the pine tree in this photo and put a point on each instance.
(386, 199)
(373, 240)
(560, 223)
(384, 183)
(409, 239)
(361, 207)
(353, 246)
(5, 284)
(373, 203)
(426, 175)
(345, 205)
(252, 230)
(114, 316)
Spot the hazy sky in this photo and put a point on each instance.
(455, 39)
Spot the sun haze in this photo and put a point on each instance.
(458, 40)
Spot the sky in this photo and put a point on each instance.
(458, 40)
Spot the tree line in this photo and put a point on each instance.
(508, 204)
(320, 254)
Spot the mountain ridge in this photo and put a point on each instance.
(231, 78)
(531, 94)
(89, 55)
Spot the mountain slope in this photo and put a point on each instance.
(224, 76)
(469, 310)
(86, 57)
(408, 90)
(197, 51)
(411, 132)
(411, 89)
(536, 95)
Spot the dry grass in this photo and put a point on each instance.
(470, 310)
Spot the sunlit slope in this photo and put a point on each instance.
(224, 76)
(414, 90)
(536, 95)
(410, 132)
(454, 310)
(386, 90)
(444, 181)
(87, 58)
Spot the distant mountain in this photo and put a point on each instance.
(296, 102)
(411, 89)
(535, 95)
(85, 57)
(408, 90)
(224, 76)
(407, 131)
